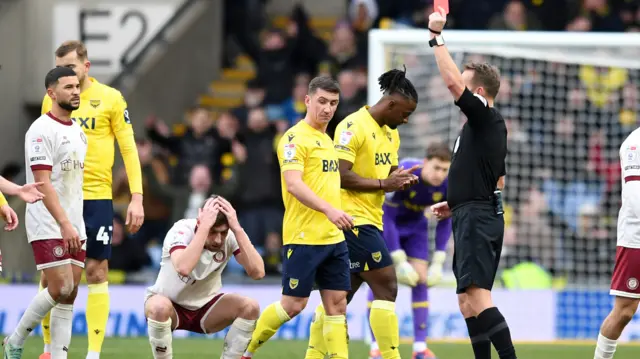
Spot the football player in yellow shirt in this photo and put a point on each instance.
(103, 116)
(367, 143)
(316, 252)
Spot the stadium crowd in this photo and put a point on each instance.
(563, 176)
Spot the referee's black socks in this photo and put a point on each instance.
(496, 328)
(479, 340)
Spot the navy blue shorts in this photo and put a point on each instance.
(98, 219)
(367, 249)
(325, 266)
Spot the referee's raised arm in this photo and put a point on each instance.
(474, 199)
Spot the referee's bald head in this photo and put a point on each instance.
(482, 78)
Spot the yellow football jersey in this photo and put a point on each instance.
(373, 150)
(103, 116)
(305, 149)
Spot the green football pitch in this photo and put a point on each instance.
(138, 348)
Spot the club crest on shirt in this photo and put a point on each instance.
(377, 256)
(345, 137)
(293, 283)
(289, 151)
(437, 196)
(219, 257)
(94, 103)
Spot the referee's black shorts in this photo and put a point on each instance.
(478, 234)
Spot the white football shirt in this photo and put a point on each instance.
(629, 215)
(59, 147)
(198, 288)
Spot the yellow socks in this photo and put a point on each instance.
(97, 315)
(46, 330)
(317, 349)
(335, 336)
(268, 324)
(384, 324)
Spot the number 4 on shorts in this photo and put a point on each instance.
(103, 236)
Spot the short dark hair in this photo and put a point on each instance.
(325, 83)
(395, 81)
(70, 46)
(56, 74)
(439, 150)
(486, 76)
(221, 218)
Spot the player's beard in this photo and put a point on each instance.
(68, 106)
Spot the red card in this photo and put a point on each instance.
(437, 4)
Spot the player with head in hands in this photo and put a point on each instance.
(314, 244)
(474, 196)
(625, 285)
(55, 149)
(104, 118)
(367, 143)
(406, 236)
(187, 293)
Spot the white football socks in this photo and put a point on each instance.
(41, 304)
(160, 338)
(605, 347)
(238, 337)
(419, 347)
(61, 326)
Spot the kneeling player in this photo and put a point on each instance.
(625, 285)
(187, 294)
(406, 236)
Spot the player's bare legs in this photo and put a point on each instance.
(97, 314)
(612, 327)
(58, 298)
(476, 305)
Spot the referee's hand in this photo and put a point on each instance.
(342, 220)
(441, 210)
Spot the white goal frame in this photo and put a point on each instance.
(538, 45)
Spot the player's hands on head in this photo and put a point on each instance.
(438, 19)
(441, 210)
(400, 179)
(230, 213)
(208, 213)
(342, 220)
(10, 217)
(71, 238)
(29, 192)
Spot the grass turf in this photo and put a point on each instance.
(138, 348)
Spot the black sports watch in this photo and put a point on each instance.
(436, 41)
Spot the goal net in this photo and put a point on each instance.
(569, 101)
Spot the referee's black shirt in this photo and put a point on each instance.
(478, 154)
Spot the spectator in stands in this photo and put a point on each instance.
(259, 203)
(294, 108)
(253, 97)
(156, 202)
(515, 17)
(229, 149)
(343, 52)
(553, 15)
(352, 98)
(362, 16)
(309, 49)
(275, 64)
(197, 145)
(129, 255)
(597, 15)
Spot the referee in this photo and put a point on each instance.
(474, 202)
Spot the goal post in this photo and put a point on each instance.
(569, 100)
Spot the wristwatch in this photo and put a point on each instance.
(436, 41)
